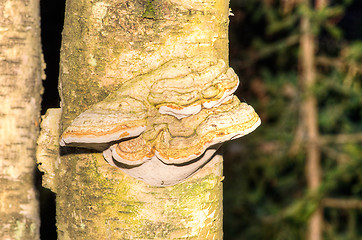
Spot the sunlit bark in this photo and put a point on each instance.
(105, 44)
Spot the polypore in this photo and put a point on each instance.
(163, 126)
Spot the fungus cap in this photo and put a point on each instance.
(168, 122)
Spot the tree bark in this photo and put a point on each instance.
(105, 44)
(310, 121)
(20, 97)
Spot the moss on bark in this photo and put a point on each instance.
(105, 44)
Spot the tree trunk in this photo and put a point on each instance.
(20, 97)
(105, 44)
(310, 120)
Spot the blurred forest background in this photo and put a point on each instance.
(299, 175)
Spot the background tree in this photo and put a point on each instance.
(20, 96)
(274, 199)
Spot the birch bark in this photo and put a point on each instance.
(105, 44)
(20, 97)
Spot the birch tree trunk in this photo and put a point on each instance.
(20, 97)
(105, 44)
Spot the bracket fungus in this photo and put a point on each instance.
(163, 126)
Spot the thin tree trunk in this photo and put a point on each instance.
(310, 122)
(20, 97)
(105, 44)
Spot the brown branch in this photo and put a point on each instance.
(340, 157)
(330, 62)
(342, 203)
(340, 138)
(335, 62)
(351, 69)
(299, 141)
